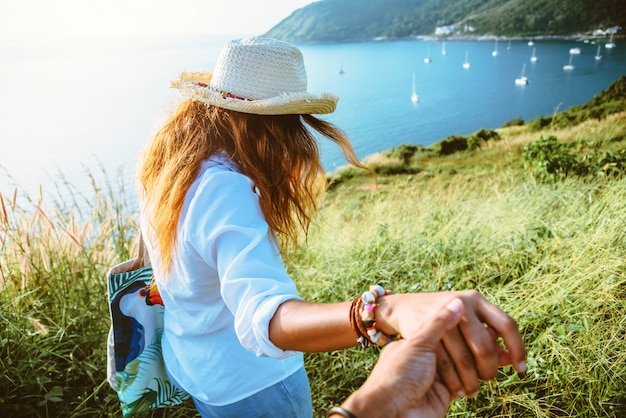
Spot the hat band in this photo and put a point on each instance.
(224, 94)
(227, 95)
(197, 86)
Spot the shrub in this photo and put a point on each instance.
(452, 144)
(513, 122)
(478, 138)
(552, 159)
(404, 152)
(611, 164)
(540, 123)
(549, 157)
(390, 169)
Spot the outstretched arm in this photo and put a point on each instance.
(467, 353)
(312, 327)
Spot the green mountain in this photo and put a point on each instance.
(359, 20)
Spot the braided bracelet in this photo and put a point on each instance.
(355, 322)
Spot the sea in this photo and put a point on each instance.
(82, 111)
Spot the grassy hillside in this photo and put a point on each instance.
(550, 250)
(358, 20)
(532, 217)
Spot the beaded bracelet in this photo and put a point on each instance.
(364, 326)
(367, 315)
(340, 411)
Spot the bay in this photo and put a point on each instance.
(91, 107)
(375, 88)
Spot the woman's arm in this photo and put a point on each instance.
(312, 327)
(467, 353)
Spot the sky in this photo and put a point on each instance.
(38, 44)
(41, 21)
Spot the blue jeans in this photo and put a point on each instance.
(290, 398)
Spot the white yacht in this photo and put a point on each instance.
(466, 64)
(414, 97)
(522, 80)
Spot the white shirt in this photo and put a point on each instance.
(226, 282)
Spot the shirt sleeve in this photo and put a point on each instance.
(225, 225)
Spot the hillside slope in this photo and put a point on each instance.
(358, 20)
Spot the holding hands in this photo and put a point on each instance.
(466, 353)
(444, 357)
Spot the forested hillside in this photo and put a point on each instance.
(357, 20)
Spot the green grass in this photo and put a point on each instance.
(550, 251)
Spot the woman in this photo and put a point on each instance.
(228, 181)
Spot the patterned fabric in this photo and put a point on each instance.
(135, 369)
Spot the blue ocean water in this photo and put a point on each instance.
(375, 88)
(92, 106)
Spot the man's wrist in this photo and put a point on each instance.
(340, 412)
(365, 403)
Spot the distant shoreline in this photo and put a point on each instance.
(491, 37)
(579, 37)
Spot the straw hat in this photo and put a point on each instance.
(257, 75)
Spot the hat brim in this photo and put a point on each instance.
(196, 86)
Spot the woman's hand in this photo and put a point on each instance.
(404, 381)
(468, 352)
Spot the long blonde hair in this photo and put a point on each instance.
(278, 153)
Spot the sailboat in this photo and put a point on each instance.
(443, 49)
(427, 60)
(533, 57)
(569, 66)
(495, 51)
(530, 42)
(466, 64)
(610, 44)
(414, 97)
(522, 80)
(508, 46)
(598, 56)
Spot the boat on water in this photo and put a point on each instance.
(574, 51)
(443, 49)
(508, 46)
(494, 53)
(414, 97)
(530, 42)
(610, 44)
(522, 80)
(466, 63)
(569, 66)
(533, 57)
(598, 56)
(427, 60)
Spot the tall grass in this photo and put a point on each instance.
(55, 251)
(551, 253)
